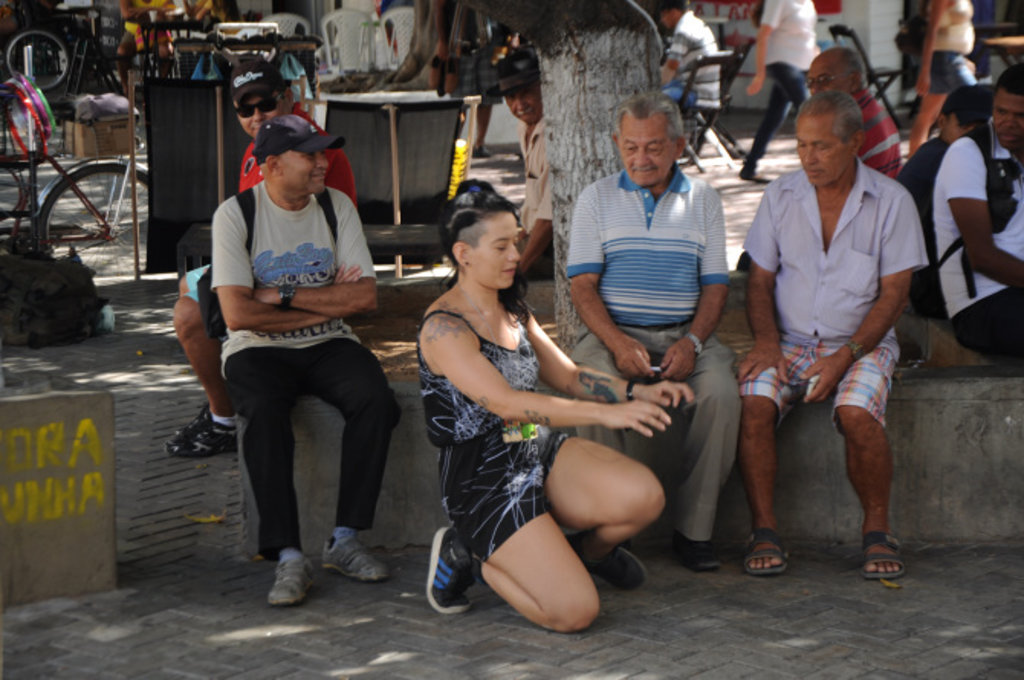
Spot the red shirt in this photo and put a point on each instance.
(339, 172)
(881, 147)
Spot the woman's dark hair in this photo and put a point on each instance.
(474, 201)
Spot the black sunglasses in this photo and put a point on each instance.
(264, 105)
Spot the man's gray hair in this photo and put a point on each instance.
(848, 118)
(646, 104)
(850, 62)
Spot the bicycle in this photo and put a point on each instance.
(86, 207)
(64, 52)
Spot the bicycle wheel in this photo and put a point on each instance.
(65, 216)
(50, 57)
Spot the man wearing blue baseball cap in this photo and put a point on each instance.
(259, 94)
(289, 263)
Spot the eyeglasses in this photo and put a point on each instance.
(820, 81)
(264, 105)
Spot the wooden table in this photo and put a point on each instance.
(1009, 47)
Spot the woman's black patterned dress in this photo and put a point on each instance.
(490, 487)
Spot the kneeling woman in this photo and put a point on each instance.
(510, 484)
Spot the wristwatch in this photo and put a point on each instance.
(286, 291)
(698, 346)
(855, 348)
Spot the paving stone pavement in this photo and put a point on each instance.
(188, 605)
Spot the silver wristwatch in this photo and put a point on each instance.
(698, 346)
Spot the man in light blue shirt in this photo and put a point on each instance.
(649, 280)
(833, 247)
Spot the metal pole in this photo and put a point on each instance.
(33, 179)
(473, 101)
(396, 199)
(220, 143)
(132, 168)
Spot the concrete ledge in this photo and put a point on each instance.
(956, 436)
(409, 507)
(56, 495)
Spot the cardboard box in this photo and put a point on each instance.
(101, 138)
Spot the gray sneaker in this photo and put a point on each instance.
(350, 557)
(291, 581)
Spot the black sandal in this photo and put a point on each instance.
(764, 535)
(874, 539)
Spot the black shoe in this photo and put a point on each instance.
(754, 177)
(694, 555)
(451, 573)
(620, 567)
(481, 152)
(202, 437)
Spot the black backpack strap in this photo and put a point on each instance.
(247, 202)
(324, 199)
(965, 265)
(1000, 175)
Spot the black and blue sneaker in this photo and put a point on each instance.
(451, 573)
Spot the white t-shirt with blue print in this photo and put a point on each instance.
(288, 247)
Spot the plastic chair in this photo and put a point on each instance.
(342, 33)
(289, 24)
(878, 78)
(398, 23)
(703, 117)
(367, 6)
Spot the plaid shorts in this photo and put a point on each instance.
(477, 76)
(866, 383)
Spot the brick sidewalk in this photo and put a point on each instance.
(189, 606)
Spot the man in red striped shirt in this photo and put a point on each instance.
(842, 69)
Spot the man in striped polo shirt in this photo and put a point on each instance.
(842, 70)
(649, 280)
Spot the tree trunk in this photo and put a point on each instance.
(412, 72)
(593, 54)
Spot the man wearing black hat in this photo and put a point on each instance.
(519, 84)
(284, 288)
(260, 94)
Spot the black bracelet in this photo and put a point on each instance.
(629, 388)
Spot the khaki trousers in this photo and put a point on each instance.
(699, 448)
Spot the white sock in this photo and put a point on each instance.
(341, 533)
(288, 554)
(225, 421)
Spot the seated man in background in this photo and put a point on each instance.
(979, 197)
(840, 69)
(964, 109)
(832, 246)
(260, 94)
(286, 277)
(649, 280)
(519, 84)
(691, 39)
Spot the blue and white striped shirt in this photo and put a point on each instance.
(653, 256)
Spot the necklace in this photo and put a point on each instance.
(490, 330)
